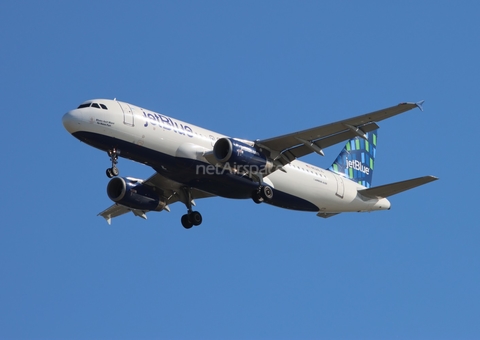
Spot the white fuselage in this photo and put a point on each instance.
(146, 132)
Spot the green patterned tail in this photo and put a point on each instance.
(356, 161)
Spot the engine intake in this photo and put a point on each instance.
(134, 194)
(240, 155)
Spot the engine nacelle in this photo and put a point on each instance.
(241, 156)
(134, 194)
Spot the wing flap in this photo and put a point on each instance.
(388, 190)
(113, 211)
(329, 134)
(323, 143)
(170, 190)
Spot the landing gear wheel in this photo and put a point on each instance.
(195, 218)
(191, 218)
(266, 192)
(113, 171)
(186, 222)
(256, 197)
(109, 173)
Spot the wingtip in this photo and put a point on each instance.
(417, 104)
(420, 104)
(108, 218)
(431, 178)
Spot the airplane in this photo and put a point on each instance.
(191, 163)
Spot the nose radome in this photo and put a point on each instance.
(72, 120)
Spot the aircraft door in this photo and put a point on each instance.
(340, 186)
(127, 113)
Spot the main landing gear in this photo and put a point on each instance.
(191, 218)
(113, 171)
(264, 193)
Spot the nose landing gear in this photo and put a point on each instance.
(113, 171)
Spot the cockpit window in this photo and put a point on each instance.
(103, 106)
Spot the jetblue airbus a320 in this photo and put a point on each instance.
(192, 163)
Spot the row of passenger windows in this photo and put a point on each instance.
(307, 170)
(98, 106)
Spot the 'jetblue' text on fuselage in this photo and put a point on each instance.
(167, 123)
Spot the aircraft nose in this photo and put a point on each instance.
(72, 120)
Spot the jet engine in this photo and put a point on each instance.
(134, 194)
(241, 155)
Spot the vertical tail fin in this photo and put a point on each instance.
(356, 161)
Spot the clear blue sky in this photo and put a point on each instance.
(250, 70)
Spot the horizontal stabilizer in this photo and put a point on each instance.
(395, 188)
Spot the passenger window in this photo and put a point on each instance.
(84, 105)
(103, 106)
(96, 105)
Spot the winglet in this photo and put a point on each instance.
(108, 218)
(420, 104)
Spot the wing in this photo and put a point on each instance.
(284, 149)
(170, 190)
